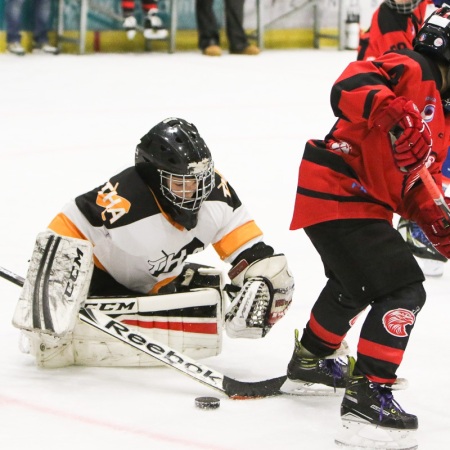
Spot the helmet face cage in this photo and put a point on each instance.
(434, 36)
(403, 8)
(188, 192)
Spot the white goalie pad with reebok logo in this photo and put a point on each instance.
(189, 322)
(56, 285)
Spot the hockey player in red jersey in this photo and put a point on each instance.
(143, 224)
(153, 26)
(394, 26)
(391, 122)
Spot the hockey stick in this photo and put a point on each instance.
(232, 388)
(435, 193)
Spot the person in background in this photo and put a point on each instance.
(153, 26)
(394, 26)
(208, 29)
(391, 123)
(41, 26)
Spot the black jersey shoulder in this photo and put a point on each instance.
(122, 200)
(223, 192)
(429, 66)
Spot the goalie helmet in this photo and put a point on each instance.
(175, 162)
(403, 8)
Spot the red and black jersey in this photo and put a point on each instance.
(128, 6)
(390, 30)
(351, 173)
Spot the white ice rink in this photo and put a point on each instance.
(70, 122)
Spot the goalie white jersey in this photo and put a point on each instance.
(138, 244)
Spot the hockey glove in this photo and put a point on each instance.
(409, 134)
(430, 219)
(266, 289)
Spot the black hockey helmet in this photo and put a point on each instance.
(403, 8)
(175, 162)
(433, 37)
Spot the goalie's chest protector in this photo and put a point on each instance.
(134, 241)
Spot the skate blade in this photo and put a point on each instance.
(365, 436)
(158, 34)
(302, 388)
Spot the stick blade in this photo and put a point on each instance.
(242, 390)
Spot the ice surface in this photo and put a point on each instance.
(67, 124)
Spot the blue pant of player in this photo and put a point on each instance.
(41, 20)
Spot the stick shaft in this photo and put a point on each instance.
(434, 192)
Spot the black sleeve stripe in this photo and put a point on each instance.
(339, 198)
(352, 83)
(325, 158)
(369, 102)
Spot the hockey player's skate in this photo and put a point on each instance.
(430, 260)
(308, 375)
(371, 418)
(153, 26)
(130, 25)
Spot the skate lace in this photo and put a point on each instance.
(333, 368)
(386, 399)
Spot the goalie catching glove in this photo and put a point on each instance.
(261, 293)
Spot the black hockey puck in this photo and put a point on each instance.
(207, 402)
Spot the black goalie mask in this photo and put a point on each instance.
(175, 162)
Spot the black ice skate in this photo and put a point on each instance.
(317, 376)
(371, 418)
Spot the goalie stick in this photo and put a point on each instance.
(234, 389)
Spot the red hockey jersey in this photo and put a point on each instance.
(390, 30)
(352, 174)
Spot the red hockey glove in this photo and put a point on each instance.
(410, 135)
(436, 227)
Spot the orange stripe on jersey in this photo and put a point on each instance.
(63, 226)
(201, 328)
(379, 351)
(333, 340)
(238, 237)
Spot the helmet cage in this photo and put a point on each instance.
(188, 192)
(403, 8)
(434, 36)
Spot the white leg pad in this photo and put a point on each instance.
(56, 285)
(189, 322)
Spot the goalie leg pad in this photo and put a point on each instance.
(189, 322)
(56, 285)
